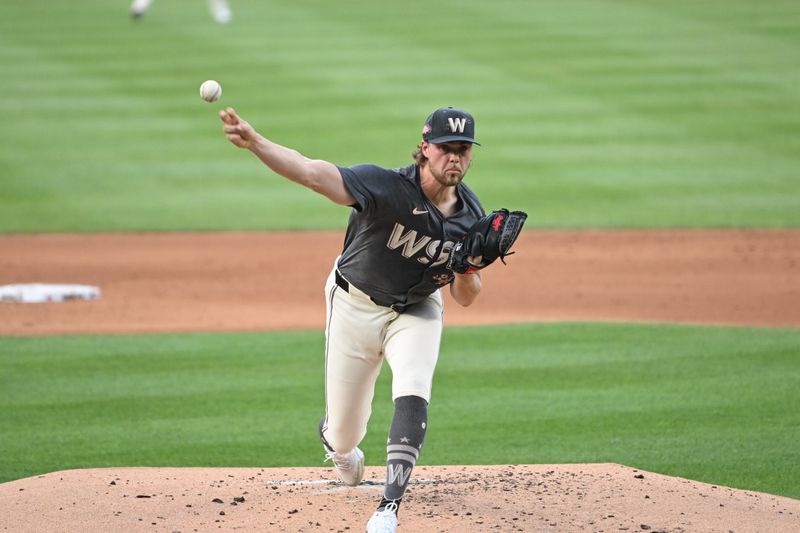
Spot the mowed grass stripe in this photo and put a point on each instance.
(713, 404)
(612, 114)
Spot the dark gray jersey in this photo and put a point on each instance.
(397, 242)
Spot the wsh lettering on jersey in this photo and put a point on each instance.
(412, 244)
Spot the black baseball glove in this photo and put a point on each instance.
(489, 238)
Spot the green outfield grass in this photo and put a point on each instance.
(592, 113)
(713, 404)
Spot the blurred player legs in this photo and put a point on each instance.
(219, 9)
(138, 7)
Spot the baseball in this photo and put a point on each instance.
(210, 91)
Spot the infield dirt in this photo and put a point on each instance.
(169, 282)
(268, 281)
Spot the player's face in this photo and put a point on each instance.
(449, 162)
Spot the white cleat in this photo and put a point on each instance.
(383, 521)
(349, 466)
(223, 16)
(139, 7)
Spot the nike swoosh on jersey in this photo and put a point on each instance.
(418, 211)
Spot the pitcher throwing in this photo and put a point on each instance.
(383, 293)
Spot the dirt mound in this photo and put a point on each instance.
(599, 497)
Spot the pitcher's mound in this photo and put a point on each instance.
(542, 498)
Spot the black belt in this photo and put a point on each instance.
(345, 286)
(341, 282)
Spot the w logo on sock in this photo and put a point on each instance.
(397, 475)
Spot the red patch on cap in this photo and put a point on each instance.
(426, 129)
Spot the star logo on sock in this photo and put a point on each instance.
(405, 440)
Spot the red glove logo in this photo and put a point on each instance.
(497, 222)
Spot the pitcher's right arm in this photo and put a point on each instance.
(316, 174)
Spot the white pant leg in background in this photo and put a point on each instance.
(220, 11)
(358, 335)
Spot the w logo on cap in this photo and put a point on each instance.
(457, 124)
(447, 124)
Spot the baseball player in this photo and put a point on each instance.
(383, 292)
(219, 9)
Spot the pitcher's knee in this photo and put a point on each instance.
(337, 438)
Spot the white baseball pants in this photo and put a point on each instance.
(358, 336)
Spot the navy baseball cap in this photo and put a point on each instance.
(447, 124)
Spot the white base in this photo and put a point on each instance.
(47, 292)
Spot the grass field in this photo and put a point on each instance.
(712, 404)
(592, 113)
